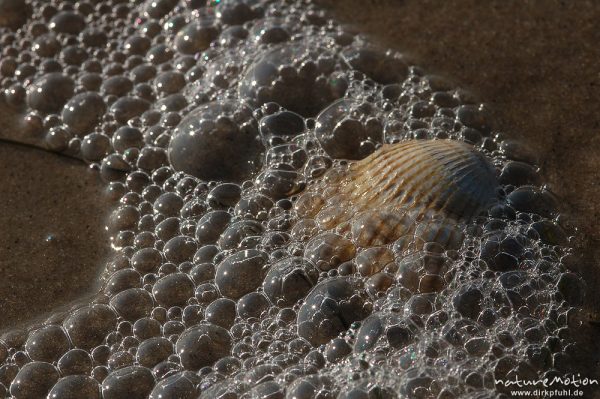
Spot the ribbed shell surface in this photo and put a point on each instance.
(420, 190)
(439, 175)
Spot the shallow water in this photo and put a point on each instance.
(251, 259)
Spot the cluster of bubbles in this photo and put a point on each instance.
(213, 125)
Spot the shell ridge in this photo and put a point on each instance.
(423, 179)
(390, 170)
(401, 187)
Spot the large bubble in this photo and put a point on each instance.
(217, 141)
(202, 346)
(303, 78)
(330, 308)
(349, 129)
(50, 92)
(14, 13)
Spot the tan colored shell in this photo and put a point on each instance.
(383, 196)
(441, 175)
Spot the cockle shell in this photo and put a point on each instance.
(416, 186)
(441, 175)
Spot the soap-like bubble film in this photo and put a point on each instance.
(298, 213)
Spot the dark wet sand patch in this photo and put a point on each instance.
(52, 242)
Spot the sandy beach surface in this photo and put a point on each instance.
(52, 244)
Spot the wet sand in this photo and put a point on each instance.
(52, 244)
(535, 64)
